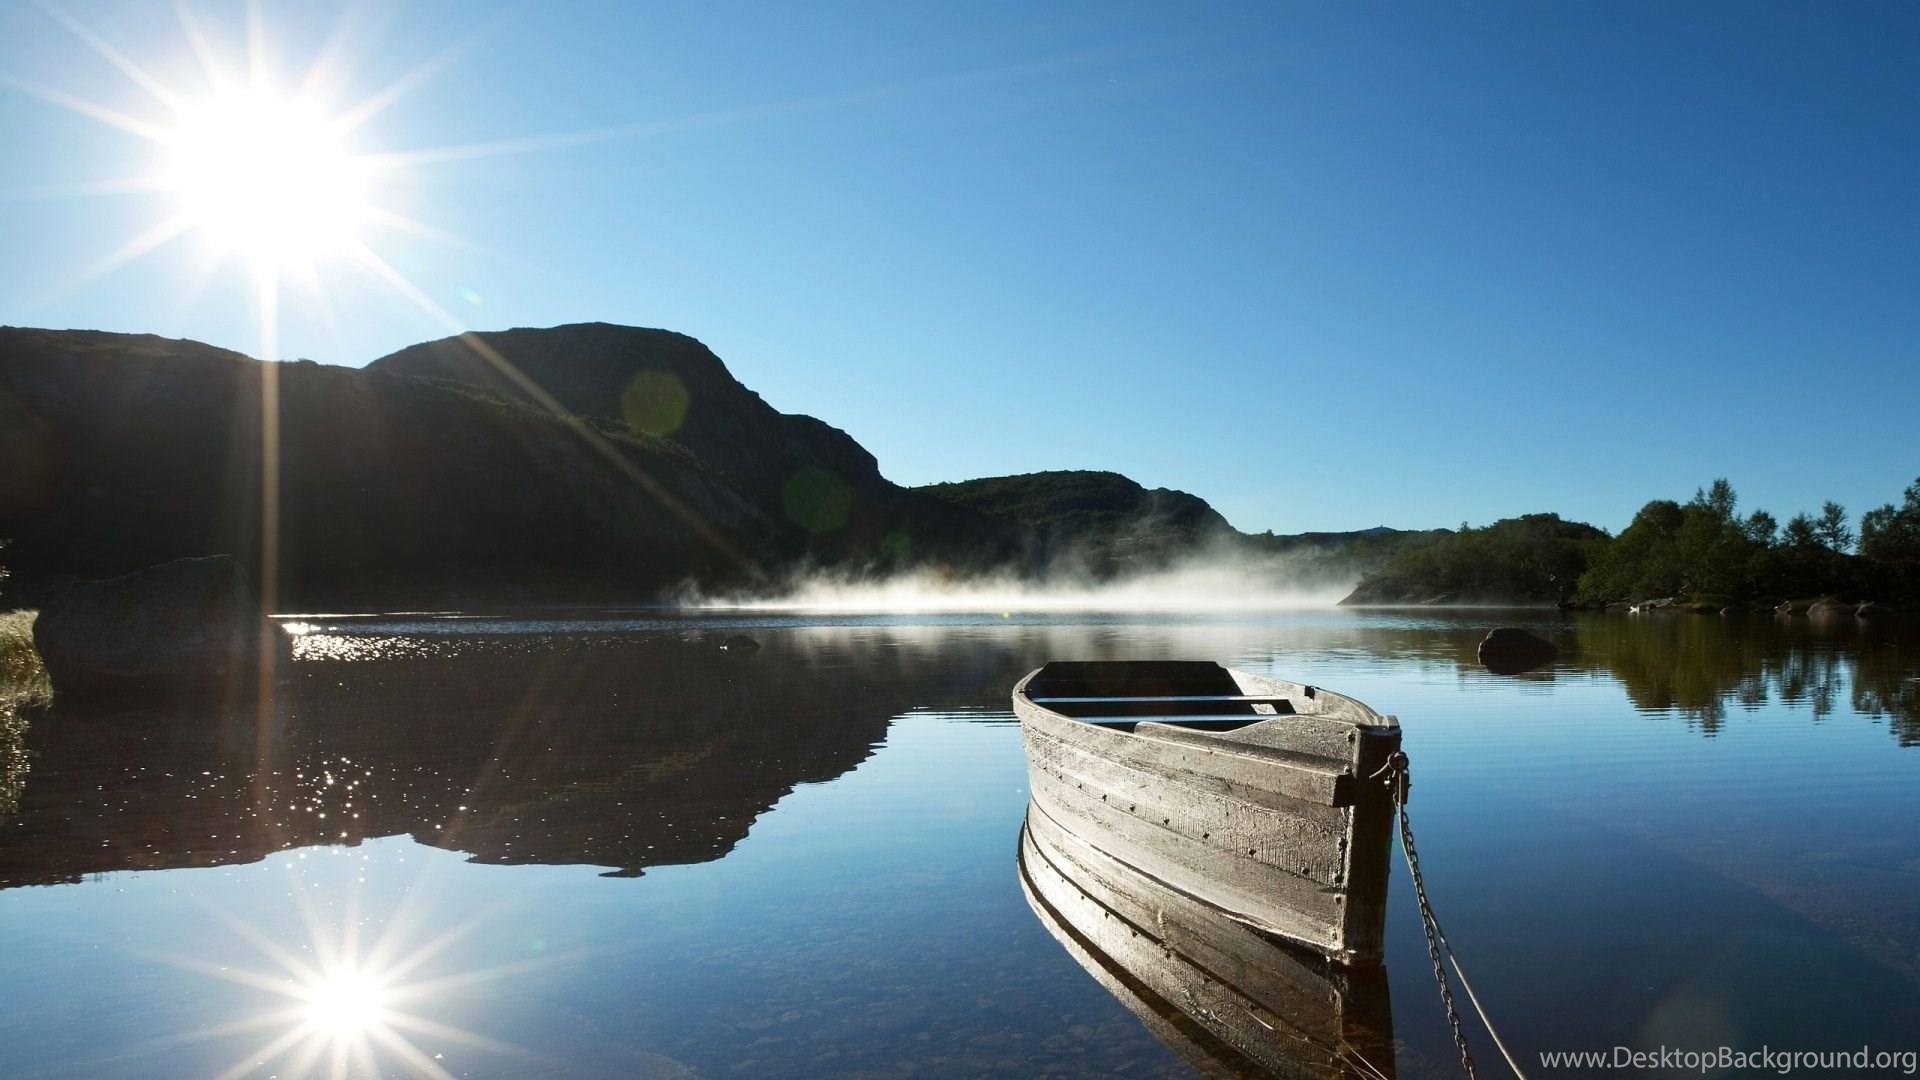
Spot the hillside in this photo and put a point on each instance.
(126, 450)
(1529, 560)
(579, 464)
(1100, 521)
(660, 384)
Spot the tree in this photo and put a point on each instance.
(1799, 533)
(1643, 561)
(1717, 499)
(1714, 551)
(1889, 534)
(1831, 527)
(1890, 546)
(1761, 528)
(1533, 558)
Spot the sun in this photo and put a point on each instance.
(255, 163)
(267, 178)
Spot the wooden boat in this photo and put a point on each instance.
(1228, 999)
(1256, 797)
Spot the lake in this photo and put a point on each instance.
(596, 844)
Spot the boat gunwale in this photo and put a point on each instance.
(1316, 698)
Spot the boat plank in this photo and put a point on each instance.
(1308, 736)
(1256, 776)
(1308, 842)
(1265, 894)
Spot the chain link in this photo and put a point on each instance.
(1397, 779)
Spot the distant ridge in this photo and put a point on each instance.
(584, 463)
(1109, 521)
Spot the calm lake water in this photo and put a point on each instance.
(600, 846)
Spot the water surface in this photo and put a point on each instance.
(594, 844)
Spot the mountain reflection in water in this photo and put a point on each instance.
(623, 752)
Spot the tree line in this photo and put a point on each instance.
(1702, 551)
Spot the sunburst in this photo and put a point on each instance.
(339, 1008)
(267, 168)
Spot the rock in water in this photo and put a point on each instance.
(740, 643)
(182, 625)
(1509, 650)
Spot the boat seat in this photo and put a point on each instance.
(1131, 679)
(1173, 709)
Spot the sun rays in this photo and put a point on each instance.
(247, 164)
(336, 1006)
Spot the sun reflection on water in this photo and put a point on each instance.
(340, 1007)
(346, 1003)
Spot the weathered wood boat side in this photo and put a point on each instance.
(1249, 794)
(1230, 1000)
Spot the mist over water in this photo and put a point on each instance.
(1206, 583)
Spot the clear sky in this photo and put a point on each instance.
(1327, 266)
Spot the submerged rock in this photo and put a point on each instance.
(178, 625)
(1509, 650)
(740, 643)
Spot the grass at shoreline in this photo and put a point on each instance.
(23, 682)
(23, 679)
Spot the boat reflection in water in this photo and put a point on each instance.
(1230, 999)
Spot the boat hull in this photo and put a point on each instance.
(1280, 824)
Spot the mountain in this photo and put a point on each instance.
(1534, 559)
(822, 490)
(1101, 520)
(589, 463)
(125, 450)
(648, 382)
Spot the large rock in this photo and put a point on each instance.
(1830, 609)
(190, 623)
(1509, 650)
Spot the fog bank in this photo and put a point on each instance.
(1216, 583)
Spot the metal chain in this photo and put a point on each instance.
(1395, 773)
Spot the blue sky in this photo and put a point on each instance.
(1327, 266)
